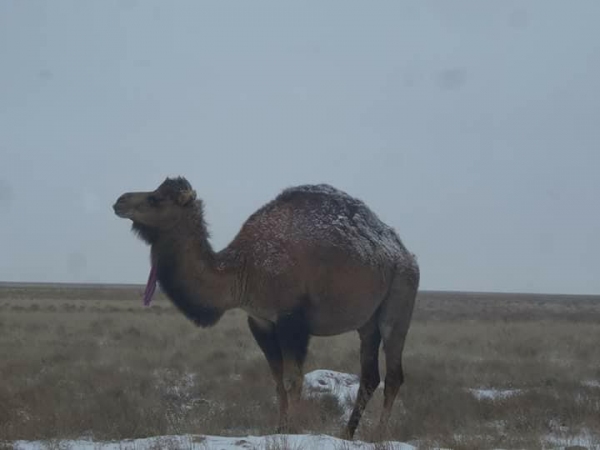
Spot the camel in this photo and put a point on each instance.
(313, 261)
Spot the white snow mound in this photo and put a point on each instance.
(343, 386)
(493, 394)
(189, 442)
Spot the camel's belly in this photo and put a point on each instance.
(332, 301)
(338, 305)
(340, 317)
(325, 317)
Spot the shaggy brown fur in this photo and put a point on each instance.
(313, 261)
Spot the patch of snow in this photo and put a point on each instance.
(200, 442)
(561, 440)
(592, 383)
(560, 361)
(343, 386)
(494, 394)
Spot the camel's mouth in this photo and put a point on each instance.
(121, 211)
(125, 205)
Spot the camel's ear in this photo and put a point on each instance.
(186, 197)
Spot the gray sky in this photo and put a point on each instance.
(471, 127)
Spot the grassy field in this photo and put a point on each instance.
(81, 361)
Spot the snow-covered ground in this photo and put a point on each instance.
(283, 442)
(493, 394)
(592, 383)
(585, 439)
(190, 442)
(343, 386)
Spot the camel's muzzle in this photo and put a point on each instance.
(122, 206)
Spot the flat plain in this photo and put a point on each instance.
(483, 370)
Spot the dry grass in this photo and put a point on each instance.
(78, 362)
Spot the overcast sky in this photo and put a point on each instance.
(471, 127)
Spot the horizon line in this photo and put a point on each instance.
(92, 285)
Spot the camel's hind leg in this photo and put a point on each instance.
(394, 322)
(370, 339)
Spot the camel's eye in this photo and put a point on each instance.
(153, 200)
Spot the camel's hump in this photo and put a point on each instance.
(320, 215)
(314, 189)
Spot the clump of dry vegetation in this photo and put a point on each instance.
(92, 362)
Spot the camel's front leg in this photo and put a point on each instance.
(293, 336)
(266, 338)
(284, 344)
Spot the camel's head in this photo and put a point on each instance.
(159, 210)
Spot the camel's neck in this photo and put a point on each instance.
(188, 273)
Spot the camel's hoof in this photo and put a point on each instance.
(347, 435)
(285, 429)
(382, 432)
